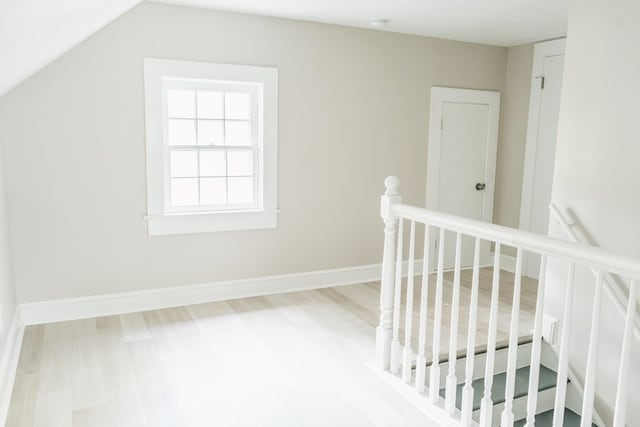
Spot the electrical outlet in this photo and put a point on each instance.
(550, 327)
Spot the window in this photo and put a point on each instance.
(211, 146)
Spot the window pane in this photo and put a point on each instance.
(213, 191)
(181, 103)
(210, 132)
(182, 132)
(240, 162)
(184, 191)
(184, 164)
(212, 163)
(237, 105)
(240, 190)
(210, 105)
(237, 133)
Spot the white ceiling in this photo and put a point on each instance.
(496, 22)
(35, 32)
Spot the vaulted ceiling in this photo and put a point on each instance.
(35, 32)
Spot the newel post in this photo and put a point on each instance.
(384, 330)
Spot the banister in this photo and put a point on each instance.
(611, 288)
(531, 242)
(443, 408)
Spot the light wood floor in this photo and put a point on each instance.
(293, 359)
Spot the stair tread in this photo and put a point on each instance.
(547, 380)
(545, 419)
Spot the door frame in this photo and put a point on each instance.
(439, 95)
(540, 52)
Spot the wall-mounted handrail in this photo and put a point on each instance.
(611, 287)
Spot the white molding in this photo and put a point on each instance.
(9, 363)
(153, 299)
(508, 263)
(206, 222)
(540, 52)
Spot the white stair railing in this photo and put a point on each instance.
(421, 360)
(534, 367)
(396, 357)
(452, 381)
(565, 338)
(507, 414)
(619, 414)
(486, 404)
(434, 371)
(467, 390)
(611, 287)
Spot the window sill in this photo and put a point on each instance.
(206, 222)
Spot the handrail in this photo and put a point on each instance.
(531, 242)
(611, 288)
(388, 341)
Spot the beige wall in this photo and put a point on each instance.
(596, 172)
(513, 136)
(353, 108)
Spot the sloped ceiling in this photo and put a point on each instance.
(35, 32)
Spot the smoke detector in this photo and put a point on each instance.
(379, 23)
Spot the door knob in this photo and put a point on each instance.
(480, 186)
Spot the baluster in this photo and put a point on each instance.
(395, 342)
(534, 366)
(421, 360)
(467, 390)
(434, 370)
(486, 405)
(563, 358)
(620, 411)
(408, 352)
(507, 413)
(452, 381)
(387, 287)
(590, 377)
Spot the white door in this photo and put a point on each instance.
(461, 162)
(541, 143)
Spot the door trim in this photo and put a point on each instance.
(540, 52)
(467, 96)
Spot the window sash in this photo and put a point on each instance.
(255, 91)
(218, 207)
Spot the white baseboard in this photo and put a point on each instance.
(153, 299)
(9, 363)
(508, 263)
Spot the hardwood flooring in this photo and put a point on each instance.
(292, 359)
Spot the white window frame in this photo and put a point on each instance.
(165, 219)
